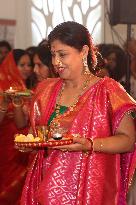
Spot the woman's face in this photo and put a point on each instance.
(3, 53)
(24, 66)
(66, 60)
(112, 61)
(42, 71)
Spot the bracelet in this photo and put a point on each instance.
(17, 105)
(91, 141)
(101, 146)
(86, 152)
(3, 109)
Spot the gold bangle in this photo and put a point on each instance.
(100, 146)
(3, 109)
(17, 105)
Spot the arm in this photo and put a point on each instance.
(20, 117)
(122, 141)
(3, 107)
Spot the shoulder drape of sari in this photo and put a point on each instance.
(72, 177)
(10, 75)
(13, 165)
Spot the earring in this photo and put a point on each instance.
(85, 62)
(85, 65)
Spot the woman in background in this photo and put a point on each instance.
(14, 71)
(5, 48)
(115, 60)
(43, 69)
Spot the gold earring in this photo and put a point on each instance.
(85, 65)
(85, 62)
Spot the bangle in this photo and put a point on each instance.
(91, 141)
(101, 146)
(17, 105)
(86, 152)
(3, 109)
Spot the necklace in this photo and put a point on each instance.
(83, 88)
(55, 122)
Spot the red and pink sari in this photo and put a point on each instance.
(13, 164)
(74, 178)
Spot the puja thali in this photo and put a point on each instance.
(14, 92)
(49, 143)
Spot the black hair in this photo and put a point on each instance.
(75, 35)
(44, 42)
(44, 54)
(5, 44)
(121, 62)
(18, 53)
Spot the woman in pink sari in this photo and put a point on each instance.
(97, 167)
(14, 71)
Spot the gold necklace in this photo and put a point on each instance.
(83, 88)
(55, 122)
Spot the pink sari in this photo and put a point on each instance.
(72, 177)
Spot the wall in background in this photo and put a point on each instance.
(19, 10)
(46, 16)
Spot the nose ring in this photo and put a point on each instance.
(59, 62)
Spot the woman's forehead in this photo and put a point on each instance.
(57, 44)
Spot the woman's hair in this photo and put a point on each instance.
(44, 42)
(121, 59)
(18, 53)
(5, 44)
(44, 54)
(75, 35)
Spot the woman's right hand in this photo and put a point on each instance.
(5, 101)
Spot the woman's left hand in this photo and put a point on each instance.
(79, 144)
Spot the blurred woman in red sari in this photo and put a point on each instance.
(14, 71)
(43, 69)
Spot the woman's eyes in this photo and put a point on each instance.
(38, 64)
(25, 64)
(61, 55)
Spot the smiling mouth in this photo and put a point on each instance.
(60, 69)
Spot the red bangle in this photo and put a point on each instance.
(91, 141)
(86, 152)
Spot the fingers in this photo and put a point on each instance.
(79, 144)
(86, 144)
(80, 140)
(71, 147)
